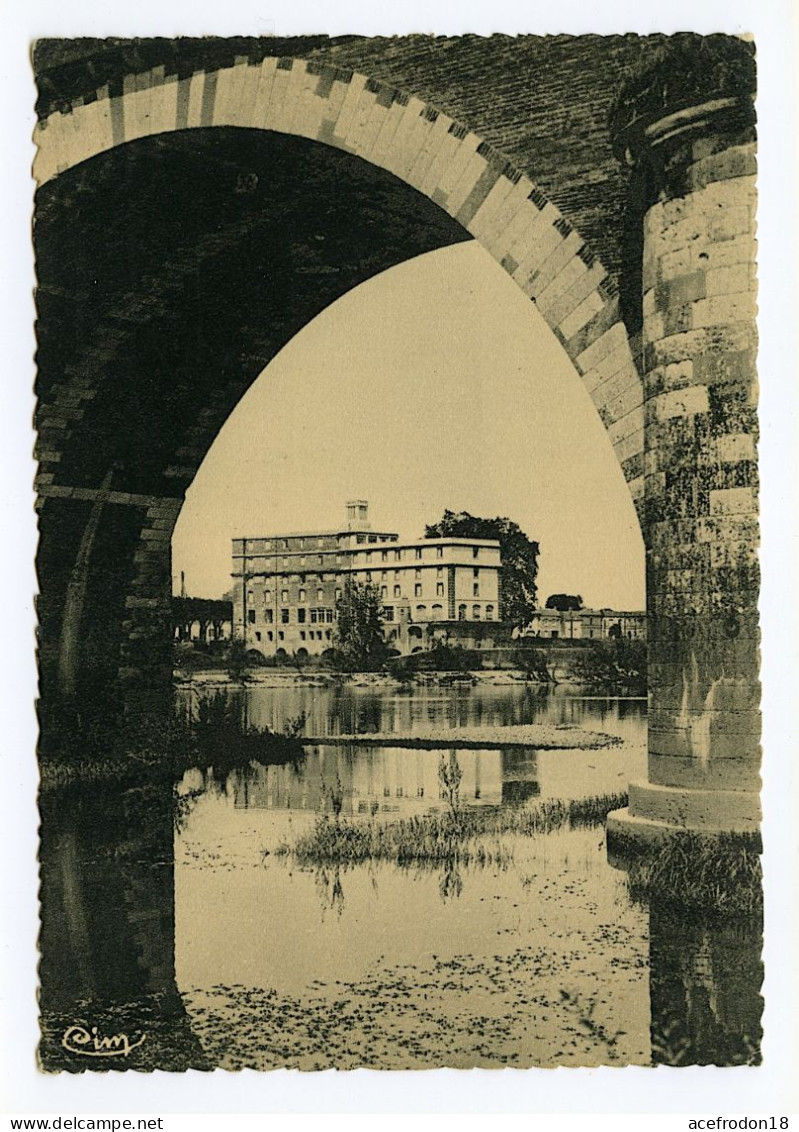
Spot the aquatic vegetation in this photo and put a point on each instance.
(205, 731)
(707, 873)
(449, 778)
(455, 836)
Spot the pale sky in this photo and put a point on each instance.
(436, 384)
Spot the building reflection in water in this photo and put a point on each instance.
(387, 780)
(107, 908)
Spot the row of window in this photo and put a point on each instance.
(318, 616)
(327, 616)
(438, 612)
(399, 555)
(302, 595)
(310, 635)
(365, 575)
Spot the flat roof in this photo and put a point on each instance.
(309, 534)
(445, 541)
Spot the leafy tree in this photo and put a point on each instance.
(238, 662)
(517, 576)
(613, 666)
(564, 602)
(359, 627)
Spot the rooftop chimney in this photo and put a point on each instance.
(357, 515)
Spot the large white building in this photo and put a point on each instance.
(285, 586)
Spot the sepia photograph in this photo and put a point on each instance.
(398, 566)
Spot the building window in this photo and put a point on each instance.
(285, 545)
(257, 636)
(267, 595)
(439, 571)
(329, 616)
(384, 556)
(302, 560)
(461, 612)
(280, 635)
(320, 594)
(397, 591)
(417, 591)
(439, 552)
(251, 616)
(476, 589)
(475, 552)
(476, 571)
(320, 542)
(476, 612)
(321, 559)
(489, 613)
(301, 595)
(302, 634)
(439, 589)
(417, 573)
(384, 591)
(418, 552)
(284, 596)
(284, 616)
(270, 636)
(268, 616)
(388, 612)
(421, 610)
(301, 616)
(438, 612)
(285, 561)
(328, 634)
(338, 595)
(368, 556)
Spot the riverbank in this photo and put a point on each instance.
(210, 679)
(282, 678)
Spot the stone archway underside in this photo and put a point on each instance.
(115, 359)
(439, 157)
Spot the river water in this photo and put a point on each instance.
(541, 960)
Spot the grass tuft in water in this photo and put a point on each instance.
(709, 873)
(458, 836)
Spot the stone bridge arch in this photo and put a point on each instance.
(690, 145)
(441, 158)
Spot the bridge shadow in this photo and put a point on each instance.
(108, 930)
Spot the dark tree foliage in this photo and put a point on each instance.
(564, 602)
(615, 666)
(359, 627)
(517, 577)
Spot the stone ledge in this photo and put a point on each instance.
(697, 811)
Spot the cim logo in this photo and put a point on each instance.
(89, 1043)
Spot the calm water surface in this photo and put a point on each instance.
(543, 961)
(169, 916)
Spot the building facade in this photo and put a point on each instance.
(587, 624)
(286, 586)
